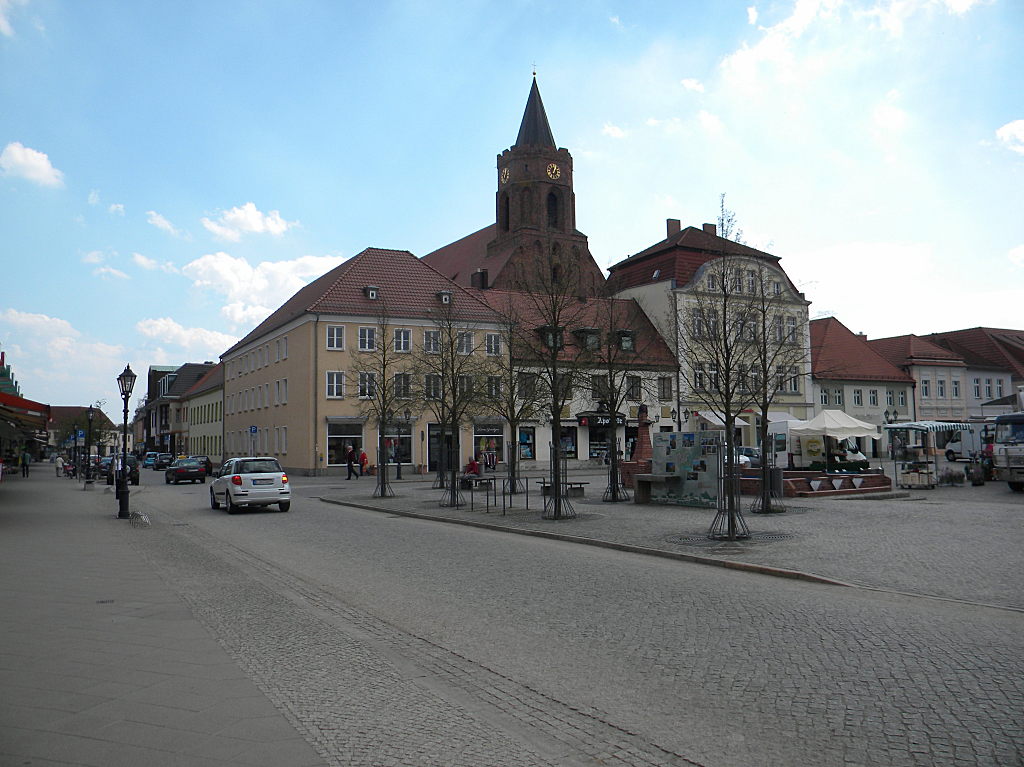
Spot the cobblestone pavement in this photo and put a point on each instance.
(391, 640)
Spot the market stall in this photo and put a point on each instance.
(835, 424)
(914, 464)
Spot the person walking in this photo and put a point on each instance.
(363, 461)
(59, 463)
(350, 462)
(26, 459)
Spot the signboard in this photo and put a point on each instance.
(253, 430)
(599, 420)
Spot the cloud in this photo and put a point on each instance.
(6, 6)
(253, 292)
(152, 265)
(1016, 256)
(752, 15)
(109, 271)
(116, 209)
(161, 223)
(30, 164)
(247, 219)
(196, 341)
(1012, 136)
(93, 257)
(710, 123)
(94, 197)
(616, 22)
(692, 85)
(613, 130)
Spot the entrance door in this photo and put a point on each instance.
(435, 453)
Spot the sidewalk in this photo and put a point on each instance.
(101, 663)
(957, 543)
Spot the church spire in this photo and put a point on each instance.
(535, 130)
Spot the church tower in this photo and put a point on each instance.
(535, 212)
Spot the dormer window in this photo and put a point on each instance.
(589, 338)
(444, 296)
(551, 336)
(371, 292)
(627, 341)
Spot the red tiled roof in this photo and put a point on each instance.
(839, 354)
(408, 288)
(986, 347)
(458, 260)
(912, 350)
(651, 350)
(679, 257)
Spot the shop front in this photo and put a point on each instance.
(342, 434)
(527, 443)
(489, 443)
(602, 429)
(442, 453)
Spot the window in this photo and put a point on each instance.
(777, 288)
(713, 375)
(988, 388)
(494, 387)
(633, 387)
(698, 377)
(367, 384)
(940, 388)
(699, 330)
(858, 397)
(335, 338)
(591, 340)
(890, 399)
(791, 329)
(367, 339)
(977, 388)
(432, 341)
(402, 339)
(626, 341)
(664, 387)
(751, 282)
(737, 281)
(873, 396)
(284, 356)
(552, 337)
(926, 387)
(464, 342)
(780, 378)
(432, 386)
(284, 439)
(712, 282)
(465, 384)
(526, 385)
(999, 387)
(403, 385)
(598, 388)
(794, 381)
(778, 329)
(493, 343)
(956, 388)
(837, 397)
(903, 399)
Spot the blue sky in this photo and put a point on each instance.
(172, 172)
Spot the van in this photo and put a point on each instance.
(967, 444)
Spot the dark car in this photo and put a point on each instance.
(163, 460)
(207, 463)
(115, 462)
(185, 469)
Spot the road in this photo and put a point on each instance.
(391, 640)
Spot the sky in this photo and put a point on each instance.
(171, 173)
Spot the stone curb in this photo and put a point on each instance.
(777, 572)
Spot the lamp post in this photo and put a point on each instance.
(125, 382)
(74, 450)
(398, 457)
(675, 419)
(88, 449)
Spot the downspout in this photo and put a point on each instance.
(316, 397)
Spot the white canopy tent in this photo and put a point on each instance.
(835, 424)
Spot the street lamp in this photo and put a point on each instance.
(74, 450)
(398, 457)
(125, 382)
(675, 419)
(88, 449)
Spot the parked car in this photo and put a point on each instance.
(185, 469)
(207, 463)
(753, 454)
(148, 460)
(163, 460)
(251, 481)
(114, 464)
(104, 464)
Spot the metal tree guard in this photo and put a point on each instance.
(452, 495)
(769, 497)
(563, 507)
(616, 491)
(728, 523)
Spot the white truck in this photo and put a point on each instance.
(967, 445)
(1008, 450)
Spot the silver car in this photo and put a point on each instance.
(252, 481)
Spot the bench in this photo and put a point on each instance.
(643, 484)
(475, 482)
(574, 489)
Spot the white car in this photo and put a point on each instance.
(252, 481)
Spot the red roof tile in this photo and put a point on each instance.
(912, 350)
(839, 354)
(458, 260)
(986, 347)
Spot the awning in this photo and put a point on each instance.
(835, 424)
(23, 414)
(712, 417)
(930, 426)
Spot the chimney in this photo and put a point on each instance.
(478, 279)
(862, 336)
(710, 229)
(672, 225)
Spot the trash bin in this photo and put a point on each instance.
(775, 483)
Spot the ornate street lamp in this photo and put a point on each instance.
(125, 382)
(675, 419)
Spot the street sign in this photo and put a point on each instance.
(81, 433)
(253, 429)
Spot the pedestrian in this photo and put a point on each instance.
(350, 462)
(26, 459)
(363, 462)
(60, 465)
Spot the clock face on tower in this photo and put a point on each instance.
(504, 175)
(554, 171)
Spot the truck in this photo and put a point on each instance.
(970, 444)
(1008, 450)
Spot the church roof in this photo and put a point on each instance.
(839, 354)
(535, 130)
(458, 260)
(398, 275)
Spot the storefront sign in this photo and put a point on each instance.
(600, 419)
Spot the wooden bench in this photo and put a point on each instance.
(574, 489)
(643, 484)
